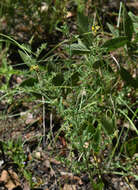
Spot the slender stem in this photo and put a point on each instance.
(44, 125)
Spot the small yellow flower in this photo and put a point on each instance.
(95, 28)
(34, 68)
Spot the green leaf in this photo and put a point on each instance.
(128, 24)
(25, 57)
(79, 48)
(96, 140)
(83, 23)
(84, 28)
(133, 17)
(108, 125)
(135, 25)
(98, 186)
(131, 146)
(23, 47)
(115, 43)
(89, 126)
(114, 31)
(29, 82)
(127, 78)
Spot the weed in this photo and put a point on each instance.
(13, 150)
(89, 90)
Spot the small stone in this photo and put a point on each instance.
(37, 155)
(121, 183)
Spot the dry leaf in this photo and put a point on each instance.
(26, 186)
(54, 161)
(10, 179)
(69, 187)
(70, 176)
(69, 14)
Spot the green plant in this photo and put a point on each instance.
(90, 92)
(15, 152)
(96, 98)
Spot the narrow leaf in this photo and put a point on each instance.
(96, 140)
(115, 43)
(128, 25)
